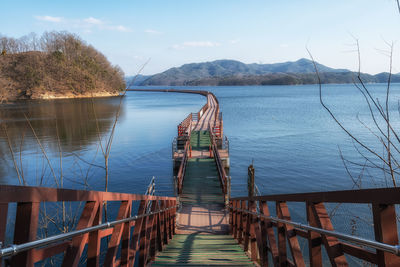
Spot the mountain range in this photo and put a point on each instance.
(232, 72)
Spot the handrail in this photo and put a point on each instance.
(221, 170)
(251, 221)
(136, 245)
(395, 249)
(182, 167)
(16, 249)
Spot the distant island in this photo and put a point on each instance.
(231, 72)
(56, 65)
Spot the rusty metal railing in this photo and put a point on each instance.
(138, 236)
(262, 234)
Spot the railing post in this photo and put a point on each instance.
(74, 252)
(314, 240)
(93, 253)
(241, 221)
(134, 246)
(116, 236)
(254, 230)
(3, 224)
(281, 238)
(250, 180)
(26, 224)
(291, 236)
(385, 228)
(247, 223)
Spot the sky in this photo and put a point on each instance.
(170, 33)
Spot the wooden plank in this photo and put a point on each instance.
(314, 240)
(377, 196)
(74, 252)
(143, 242)
(253, 221)
(134, 246)
(291, 236)
(26, 223)
(3, 224)
(331, 243)
(47, 252)
(281, 238)
(385, 227)
(267, 227)
(115, 240)
(93, 254)
(12, 193)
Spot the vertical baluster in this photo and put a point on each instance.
(94, 242)
(385, 228)
(314, 240)
(26, 224)
(281, 238)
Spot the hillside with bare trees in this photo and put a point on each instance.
(56, 65)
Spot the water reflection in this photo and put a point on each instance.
(69, 125)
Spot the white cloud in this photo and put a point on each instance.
(150, 31)
(93, 21)
(284, 45)
(235, 41)
(190, 44)
(49, 18)
(201, 44)
(119, 28)
(86, 25)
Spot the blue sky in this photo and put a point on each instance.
(174, 32)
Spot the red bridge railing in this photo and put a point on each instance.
(133, 236)
(262, 235)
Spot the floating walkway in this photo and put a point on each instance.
(202, 225)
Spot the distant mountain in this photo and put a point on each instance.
(136, 80)
(231, 72)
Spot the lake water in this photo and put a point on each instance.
(284, 130)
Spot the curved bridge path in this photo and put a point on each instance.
(202, 230)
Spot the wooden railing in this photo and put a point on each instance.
(185, 126)
(182, 168)
(220, 167)
(133, 240)
(252, 225)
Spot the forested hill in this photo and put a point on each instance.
(56, 65)
(231, 72)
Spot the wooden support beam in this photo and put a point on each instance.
(291, 236)
(385, 227)
(3, 223)
(94, 242)
(332, 245)
(281, 238)
(26, 223)
(74, 252)
(267, 227)
(314, 240)
(115, 240)
(134, 245)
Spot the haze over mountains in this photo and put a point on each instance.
(231, 72)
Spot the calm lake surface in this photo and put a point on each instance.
(292, 141)
(284, 130)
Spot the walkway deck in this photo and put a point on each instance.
(203, 250)
(202, 223)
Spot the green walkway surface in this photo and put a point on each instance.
(202, 250)
(200, 140)
(202, 222)
(201, 184)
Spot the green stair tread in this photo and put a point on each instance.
(202, 250)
